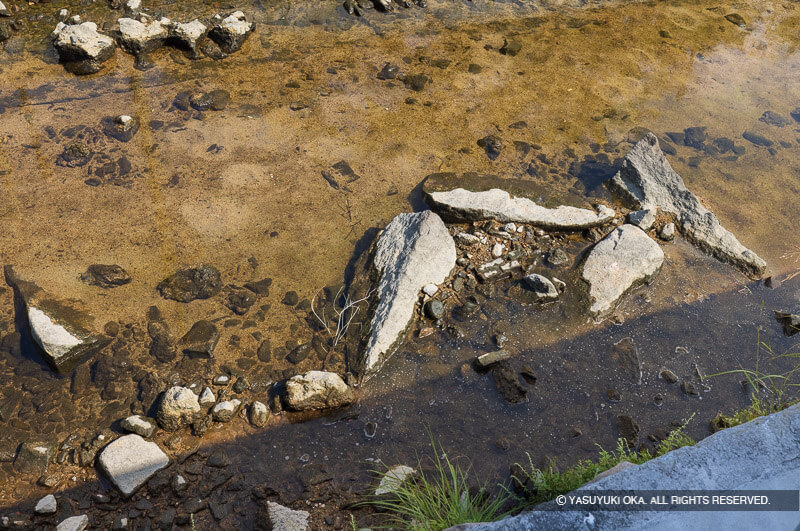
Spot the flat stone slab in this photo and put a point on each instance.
(74, 523)
(413, 251)
(463, 205)
(763, 454)
(317, 390)
(130, 461)
(647, 181)
(621, 261)
(490, 358)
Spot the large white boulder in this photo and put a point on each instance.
(647, 181)
(178, 408)
(413, 251)
(624, 259)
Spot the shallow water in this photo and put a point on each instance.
(242, 189)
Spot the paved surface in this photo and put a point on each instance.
(762, 454)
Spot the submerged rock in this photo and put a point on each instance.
(393, 478)
(508, 385)
(33, 458)
(284, 519)
(122, 127)
(231, 32)
(106, 276)
(490, 358)
(200, 340)
(647, 181)
(541, 287)
(414, 250)
(130, 461)
(789, 321)
(64, 332)
(463, 205)
(178, 408)
(317, 390)
(191, 283)
(81, 47)
(624, 259)
(627, 356)
(139, 38)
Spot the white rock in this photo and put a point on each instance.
(667, 232)
(139, 38)
(618, 263)
(510, 228)
(130, 461)
(207, 397)
(133, 6)
(647, 181)
(393, 478)
(4, 12)
(81, 42)
(284, 519)
(225, 411)
(62, 15)
(430, 289)
(465, 238)
(231, 32)
(463, 205)
(54, 339)
(498, 249)
(259, 414)
(414, 250)
(317, 390)
(178, 408)
(74, 523)
(644, 219)
(188, 34)
(75, 19)
(139, 425)
(47, 505)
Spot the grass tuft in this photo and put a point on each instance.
(440, 497)
(544, 484)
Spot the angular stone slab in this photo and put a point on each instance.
(317, 390)
(463, 205)
(64, 332)
(624, 259)
(139, 38)
(284, 519)
(130, 461)
(413, 251)
(647, 181)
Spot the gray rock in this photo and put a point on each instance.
(122, 127)
(644, 219)
(627, 356)
(231, 32)
(130, 461)
(139, 425)
(139, 38)
(414, 250)
(624, 259)
(434, 309)
(74, 523)
(317, 390)
(178, 408)
(463, 205)
(541, 287)
(64, 332)
(667, 232)
(81, 43)
(47, 505)
(284, 519)
(225, 411)
(200, 340)
(259, 414)
(490, 358)
(33, 458)
(186, 285)
(789, 321)
(647, 181)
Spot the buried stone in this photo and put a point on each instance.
(106, 276)
(186, 285)
(122, 127)
(647, 181)
(200, 340)
(508, 384)
(64, 333)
